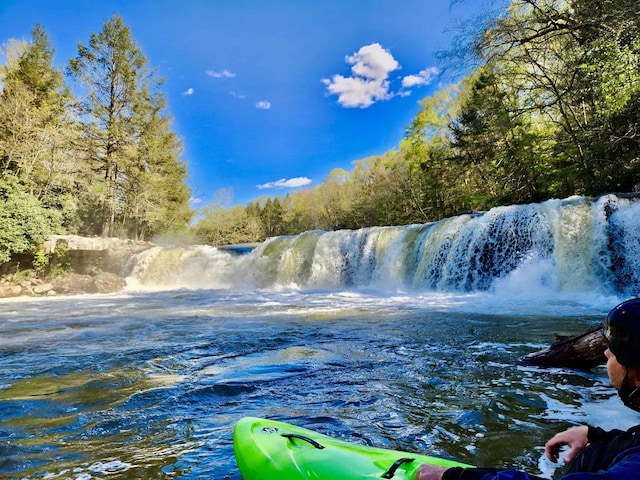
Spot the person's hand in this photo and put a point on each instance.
(429, 472)
(575, 437)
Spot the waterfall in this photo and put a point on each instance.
(572, 245)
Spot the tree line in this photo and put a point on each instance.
(104, 161)
(549, 108)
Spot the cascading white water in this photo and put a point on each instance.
(571, 245)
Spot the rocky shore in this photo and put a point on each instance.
(70, 284)
(95, 265)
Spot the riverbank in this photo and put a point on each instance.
(87, 265)
(27, 284)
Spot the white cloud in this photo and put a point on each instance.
(425, 77)
(357, 92)
(368, 83)
(221, 74)
(189, 91)
(263, 105)
(237, 95)
(290, 183)
(373, 62)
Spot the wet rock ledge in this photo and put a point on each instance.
(92, 265)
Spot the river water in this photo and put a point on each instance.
(149, 383)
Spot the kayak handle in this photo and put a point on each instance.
(302, 437)
(391, 472)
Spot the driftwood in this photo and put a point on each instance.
(583, 351)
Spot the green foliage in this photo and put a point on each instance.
(226, 226)
(117, 171)
(41, 260)
(51, 263)
(24, 220)
(36, 128)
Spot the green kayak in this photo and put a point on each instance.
(269, 450)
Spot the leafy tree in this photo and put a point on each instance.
(24, 220)
(271, 215)
(495, 141)
(574, 65)
(226, 226)
(154, 190)
(302, 212)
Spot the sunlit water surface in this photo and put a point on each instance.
(149, 385)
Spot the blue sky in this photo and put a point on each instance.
(270, 95)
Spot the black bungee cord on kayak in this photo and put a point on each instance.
(388, 474)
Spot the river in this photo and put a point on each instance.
(348, 333)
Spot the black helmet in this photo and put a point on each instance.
(621, 328)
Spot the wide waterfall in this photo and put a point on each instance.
(572, 245)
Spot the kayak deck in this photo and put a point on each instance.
(270, 450)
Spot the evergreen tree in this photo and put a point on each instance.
(36, 128)
(138, 181)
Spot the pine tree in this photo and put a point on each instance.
(36, 130)
(133, 153)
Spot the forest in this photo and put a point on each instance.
(547, 106)
(104, 162)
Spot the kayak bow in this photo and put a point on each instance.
(270, 450)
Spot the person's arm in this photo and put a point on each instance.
(432, 472)
(458, 473)
(576, 438)
(625, 467)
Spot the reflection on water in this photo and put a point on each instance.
(150, 385)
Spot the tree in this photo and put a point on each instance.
(438, 185)
(496, 141)
(36, 128)
(137, 177)
(155, 195)
(271, 215)
(226, 226)
(574, 65)
(24, 220)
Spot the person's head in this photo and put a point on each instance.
(621, 329)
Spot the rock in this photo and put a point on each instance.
(42, 289)
(10, 291)
(106, 282)
(76, 242)
(84, 256)
(73, 284)
(87, 255)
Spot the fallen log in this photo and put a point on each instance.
(583, 351)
